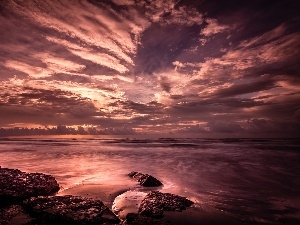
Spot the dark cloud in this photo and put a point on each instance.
(67, 77)
(253, 18)
(263, 126)
(131, 108)
(124, 130)
(224, 127)
(47, 107)
(65, 130)
(162, 45)
(165, 85)
(240, 89)
(195, 129)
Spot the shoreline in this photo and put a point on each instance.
(194, 215)
(121, 199)
(105, 193)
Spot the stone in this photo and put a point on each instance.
(145, 180)
(136, 219)
(16, 186)
(69, 210)
(15, 215)
(156, 202)
(127, 202)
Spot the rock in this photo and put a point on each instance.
(156, 202)
(127, 202)
(69, 210)
(16, 186)
(15, 215)
(136, 219)
(145, 180)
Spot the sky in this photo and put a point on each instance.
(205, 68)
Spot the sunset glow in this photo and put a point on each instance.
(150, 67)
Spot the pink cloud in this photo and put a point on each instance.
(213, 27)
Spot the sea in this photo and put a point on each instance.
(254, 181)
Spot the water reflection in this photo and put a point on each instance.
(253, 180)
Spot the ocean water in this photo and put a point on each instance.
(255, 181)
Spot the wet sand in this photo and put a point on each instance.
(197, 214)
(105, 193)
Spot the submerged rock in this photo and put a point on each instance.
(136, 219)
(69, 210)
(156, 202)
(145, 180)
(14, 215)
(16, 185)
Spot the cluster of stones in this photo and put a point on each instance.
(16, 186)
(69, 210)
(145, 180)
(155, 203)
(24, 199)
(152, 207)
(27, 199)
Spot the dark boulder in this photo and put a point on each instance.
(16, 185)
(156, 202)
(145, 180)
(69, 210)
(136, 219)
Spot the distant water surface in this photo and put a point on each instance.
(256, 181)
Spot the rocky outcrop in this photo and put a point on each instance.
(16, 185)
(69, 210)
(156, 202)
(14, 214)
(24, 201)
(145, 180)
(136, 219)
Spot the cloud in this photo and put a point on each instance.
(224, 127)
(66, 130)
(245, 61)
(34, 72)
(124, 130)
(46, 102)
(102, 59)
(165, 85)
(91, 27)
(127, 67)
(213, 27)
(251, 87)
(265, 38)
(123, 2)
(195, 129)
(264, 126)
(168, 12)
